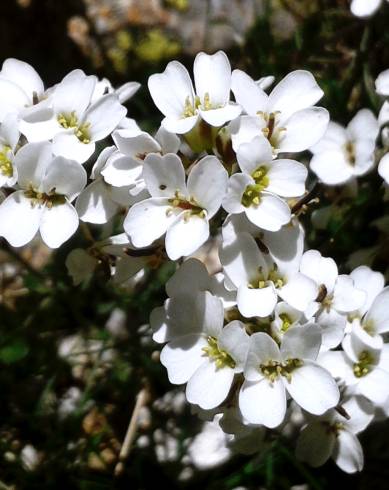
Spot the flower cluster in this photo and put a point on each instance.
(277, 333)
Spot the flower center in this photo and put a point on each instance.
(190, 109)
(364, 364)
(70, 121)
(220, 356)
(190, 206)
(42, 199)
(261, 280)
(349, 148)
(252, 193)
(333, 427)
(272, 131)
(6, 167)
(272, 370)
(286, 322)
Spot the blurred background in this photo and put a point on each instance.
(73, 360)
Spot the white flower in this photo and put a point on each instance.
(382, 83)
(344, 153)
(285, 117)
(259, 190)
(383, 168)
(173, 94)
(201, 352)
(72, 121)
(125, 92)
(100, 201)
(9, 138)
(179, 209)
(363, 368)
(337, 296)
(48, 186)
(20, 87)
(365, 8)
(125, 166)
(333, 435)
(271, 371)
(260, 280)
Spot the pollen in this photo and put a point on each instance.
(364, 364)
(6, 167)
(272, 370)
(219, 356)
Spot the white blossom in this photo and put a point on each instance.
(285, 117)
(172, 92)
(180, 209)
(48, 185)
(272, 371)
(344, 153)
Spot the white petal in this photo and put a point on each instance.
(254, 154)
(271, 213)
(313, 388)
(212, 75)
(104, 116)
(262, 349)
(207, 184)
(58, 224)
(19, 220)
(23, 75)
(286, 245)
(9, 132)
(183, 356)
(164, 175)
(334, 138)
(148, 220)
(361, 413)
(169, 142)
(375, 385)
(242, 259)
(363, 125)
(247, 93)
(32, 161)
(94, 205)
(337, 364)
(256, 302)
(193, 269)
(322, 270)
(237, 184)
(304, 129)
(363, 8)
(66, 144)
(298, 90)
(39, 123)
(244, 129)
(185, 235)
(331, 167)
(133, 142)
(208, 387)
(315, 444)
(179, 125)
(301, 342)
(218, 117)
(299, 291)
(378, 314)
(383, 168)
(348, 452)
(67, 177)
(235, 341)
(196, 313)
(382, 82)
(12, 98)
(369, 281)
(126, 91)
(170, 89)
(74, 93)
(263, 402)
(346, 296)
(287, 178)
(332, 326)
(122, 170)
(364, 156)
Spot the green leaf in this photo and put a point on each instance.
(14, 352)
